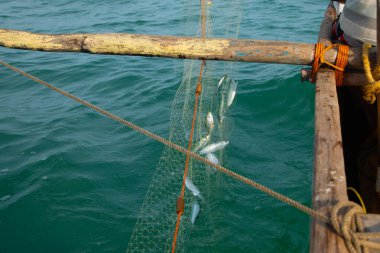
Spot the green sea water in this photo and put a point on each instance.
(74, 181)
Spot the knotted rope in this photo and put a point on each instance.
(350, 227)
(340, 62)
(373, 77)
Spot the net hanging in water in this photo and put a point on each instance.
(155, 225)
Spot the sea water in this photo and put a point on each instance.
(74, 181)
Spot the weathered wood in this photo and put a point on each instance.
(329, 181)
(324, 35)
(329, 185)
(378, 30)
(371, 223)
(245, 50)
(350, 78)
(378, 97)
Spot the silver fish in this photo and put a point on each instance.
(203, 142)
(221, 81)
(212, 158)
(195, 211)
(213, 147)
(189, 185)
(231, 92)
(210, 121)
(221, 110)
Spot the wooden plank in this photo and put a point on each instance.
(357, 79)
(378, 97)
(371, 223)
(246, 50)
(324, 35)
(329, 182)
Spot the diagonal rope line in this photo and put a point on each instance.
(245, 180)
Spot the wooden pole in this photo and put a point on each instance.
(203, 22)
(324, 35)
(246, 50)
(329, 181)
(350, 78)
(378, 96)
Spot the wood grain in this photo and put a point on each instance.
(246, 50)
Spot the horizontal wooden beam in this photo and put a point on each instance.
(349, 78)
(245, 50)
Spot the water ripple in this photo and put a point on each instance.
(74, 181)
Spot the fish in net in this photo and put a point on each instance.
(154, 229)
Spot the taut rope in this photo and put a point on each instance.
(356, 241)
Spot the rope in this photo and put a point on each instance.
(340, 62)
(180, 201)
(351, 228)
(172, 145)
(198, 90)
(356, 240)
(373, 77)
(343, 227)
(316, 64)
(359, 198)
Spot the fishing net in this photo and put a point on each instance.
(155, 226)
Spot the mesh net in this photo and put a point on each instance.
(155, 226)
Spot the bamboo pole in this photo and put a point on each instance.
(246, 50)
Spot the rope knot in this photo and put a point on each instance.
(180, 205)
(346, 220)
(340, 62)
(198, 90)
(373, 77)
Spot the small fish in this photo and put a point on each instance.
(221, 110)
(213, 147)
(231, 92)
(202, 143)
(221, 81)
(189, 185)
(195, 211)
(212, 158)
(210, 121)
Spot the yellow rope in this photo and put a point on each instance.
(359, 197)
(373, 77)
(350, 229)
